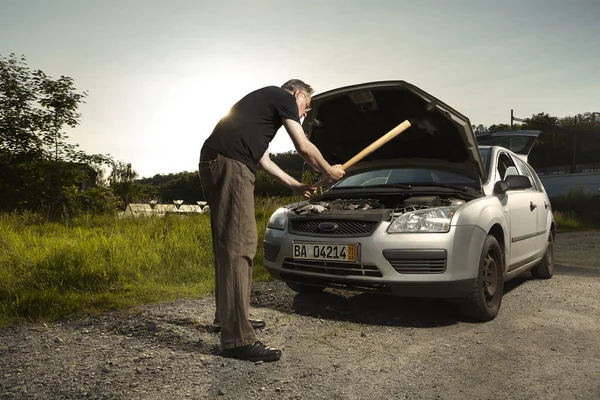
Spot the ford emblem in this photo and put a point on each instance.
(328, 226)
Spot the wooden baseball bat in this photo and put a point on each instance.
(371, 148)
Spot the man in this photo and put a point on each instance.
(227, 166)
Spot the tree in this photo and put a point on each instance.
(122, 180)
(582, 135)
(498, 128)
(121, 172)
(479, 129)
(549, 148)
(186, 186)
(568, 141)
(34, 152)
(289, 161)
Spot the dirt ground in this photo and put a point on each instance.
(545, 344)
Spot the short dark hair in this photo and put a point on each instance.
(296, 84)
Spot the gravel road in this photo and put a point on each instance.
(545, 344)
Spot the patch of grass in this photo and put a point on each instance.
(579, 209)
(96, 263)
(568, 222)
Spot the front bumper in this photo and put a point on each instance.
(442, 265)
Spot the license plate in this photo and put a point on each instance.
(320, 251)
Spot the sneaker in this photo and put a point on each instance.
(253, 352)
(256, 324)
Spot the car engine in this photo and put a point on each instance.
(395, 205)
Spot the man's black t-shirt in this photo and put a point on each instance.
(245, 133)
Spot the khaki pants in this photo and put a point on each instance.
(228, 187)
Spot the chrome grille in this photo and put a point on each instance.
(331, 268)
(345, 227)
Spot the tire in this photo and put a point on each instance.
(302, 288)
(545, 269)
(483, 303)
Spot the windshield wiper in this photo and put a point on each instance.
(462, 188)
(382, 185)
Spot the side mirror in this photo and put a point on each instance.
(500, 187)
(512, 182)
(518, 182)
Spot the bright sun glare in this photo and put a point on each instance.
(177, 112)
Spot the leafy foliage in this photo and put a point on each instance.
(37, 164)
(566, 141)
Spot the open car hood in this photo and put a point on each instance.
(344, 121)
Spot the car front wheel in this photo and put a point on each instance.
(302, 288)
(483, 303)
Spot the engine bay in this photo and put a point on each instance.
(390, 205)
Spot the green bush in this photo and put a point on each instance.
(96, 200)
(567, 222)
(579, 204)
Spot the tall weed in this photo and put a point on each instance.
(94, 263)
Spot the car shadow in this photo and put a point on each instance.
(368, 308)
(576, 271)
(386, 310)
(558, 270)
(516, 282)
(376, 309)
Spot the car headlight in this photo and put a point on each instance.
(278, 219)
(429, 220)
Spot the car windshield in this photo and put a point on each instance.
(485, 157)
(403, 176)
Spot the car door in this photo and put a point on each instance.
(521, 214)
(541, 201)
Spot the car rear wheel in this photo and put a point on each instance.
(545, 269)
(302, 288)
(483, 303)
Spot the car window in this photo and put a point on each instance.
(523, 170)
(504, 163)
(485, 157)
(536, 178)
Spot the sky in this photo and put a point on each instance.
(160, 74)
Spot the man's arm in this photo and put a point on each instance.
(273, 169)
(309, 151)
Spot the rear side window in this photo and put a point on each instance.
(536, 179)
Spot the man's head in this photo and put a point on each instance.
(302, 92)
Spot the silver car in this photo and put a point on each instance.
(436, 212)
